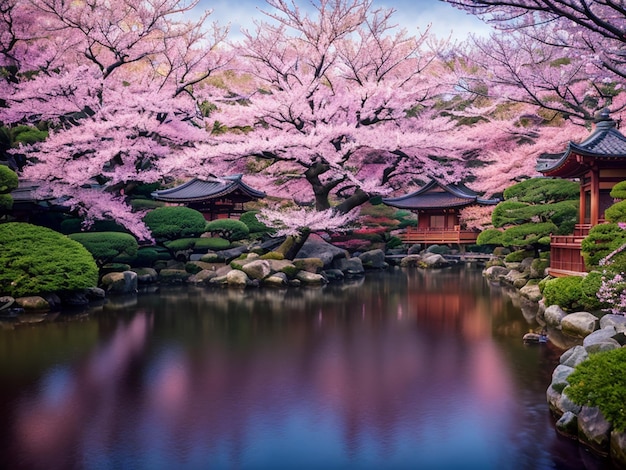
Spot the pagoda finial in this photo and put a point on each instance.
(603, 119)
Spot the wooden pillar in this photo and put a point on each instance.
(581, 206)
(595, 197)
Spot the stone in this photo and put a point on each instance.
(276, 280)
(173, 276)
(229, 255)
(146, 275)
(594, 430)
(281, 265)
(120, 283)
(579, 324)
(32, 302)
(236, 278)
(617, 321)
(411, 261)
(309, 278)
(531, 292)
(311, 265)
(495, 273)
(77, 298)
(316, 247)
(618, 448)
(350, 267)
(333, 274)
(433, 260)
(553, 316)
(559, 377)
(599, 336)
(414, 249)
(601, 346)
(95, 293)
(203, 277)
(6, 301)
(566, 404)
(374, 259)
(257, 269)
(568, 424)
(574, 356)
(553, 397)
(514, 276)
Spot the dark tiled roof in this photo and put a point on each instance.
(202, 189)
(604, 143)
(435, 195)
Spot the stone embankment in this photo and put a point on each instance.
(589, 334)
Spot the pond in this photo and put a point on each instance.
(401, 369)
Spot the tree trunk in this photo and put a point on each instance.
(292, 244)
(359, 197)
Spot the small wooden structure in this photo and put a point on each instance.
(599, 162)
(216, 198)
(438, 209)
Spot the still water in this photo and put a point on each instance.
(405, 369)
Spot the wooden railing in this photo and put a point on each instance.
(433, 236)
(565, 252)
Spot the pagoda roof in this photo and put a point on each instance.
(197, 189)
(436, 195)
(605, 144)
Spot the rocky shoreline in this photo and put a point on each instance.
(586, 334)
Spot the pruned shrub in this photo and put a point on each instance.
(254, 225)
(491, 236)
(37, 260)
(229, 229)
(616, 213)
(589, 288)
(8, 180)
(543, 190)
(529, 234)
(518, 256)
(602, 240)
(106, 246)
(600, 382)
(619, 190)
(171, 222)
(211, 243)
(565, 292)
(75, 225)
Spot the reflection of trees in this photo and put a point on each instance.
(200, 369)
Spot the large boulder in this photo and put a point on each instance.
(574, 356)
(374, 259)
(350, 267)
(308, 278)
(236, 278)
(599, 336)
(228, 255)
(531, 292)
(411, 261)
(203, 277)
(553, 315)
(257, 269)
(311, 265)
(173, 276)
(316, 247)
(276, 280)
(617, 321)
(579, 324)
(568, 424)
(434, 260)
(120, 283)
(618, 448)
(594, 430)
(146, 275)
(495, 273)
(32, 302)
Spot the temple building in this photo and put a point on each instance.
(216, 198)
(598, 162)
(438, 207)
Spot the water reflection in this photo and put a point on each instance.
(406, 369)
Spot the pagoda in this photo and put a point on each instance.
(438, 208)
(598, 162)
(216, 198)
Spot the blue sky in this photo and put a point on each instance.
(410, 14)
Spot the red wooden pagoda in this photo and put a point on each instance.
(599, 162)
(438, 209)
(216, 198)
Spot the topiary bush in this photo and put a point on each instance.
(172, 222)
(589, 288)
(518, 256)
(211, 243)
(529, 234)
(75, 225)
(543, 190)
(565, 292)
(602, 240)
(491, 236)
(38, 260)
(619, 190)
(600, 382)
(230, 229)
(8, 180)
(616, 213)
(254, 225)
(105, 246)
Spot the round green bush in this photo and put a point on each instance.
(181, 244)
(6, 202)
(565, 292)
(230, 229)
(491, 236)
(508, 212)
(211, 243)
(619, 190)
(254, 225)
(600, 381)
(616, 213)
(8, 180)
(172, 222)
(105, 246)
(602, 240)
(38, 260)
(589, 288)
(518, 256)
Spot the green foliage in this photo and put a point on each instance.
(491, 236)
(6, 202)
(602, 240)
(181, 244)
(139, 204)
(105, 246)
(393, 242)
(589, 287)
(253, 224)
(230, 229)
(37, 260)
(600, 381)
(145, 257)
(27, 135)
(528, 234)
(565, 292)
(619, 190)
(405, 218)
(75, 225)
(8, 180)
(543, 191)
(616, 213)
(171, 222)
(518, 256)
(211, 243)
(508, 212)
